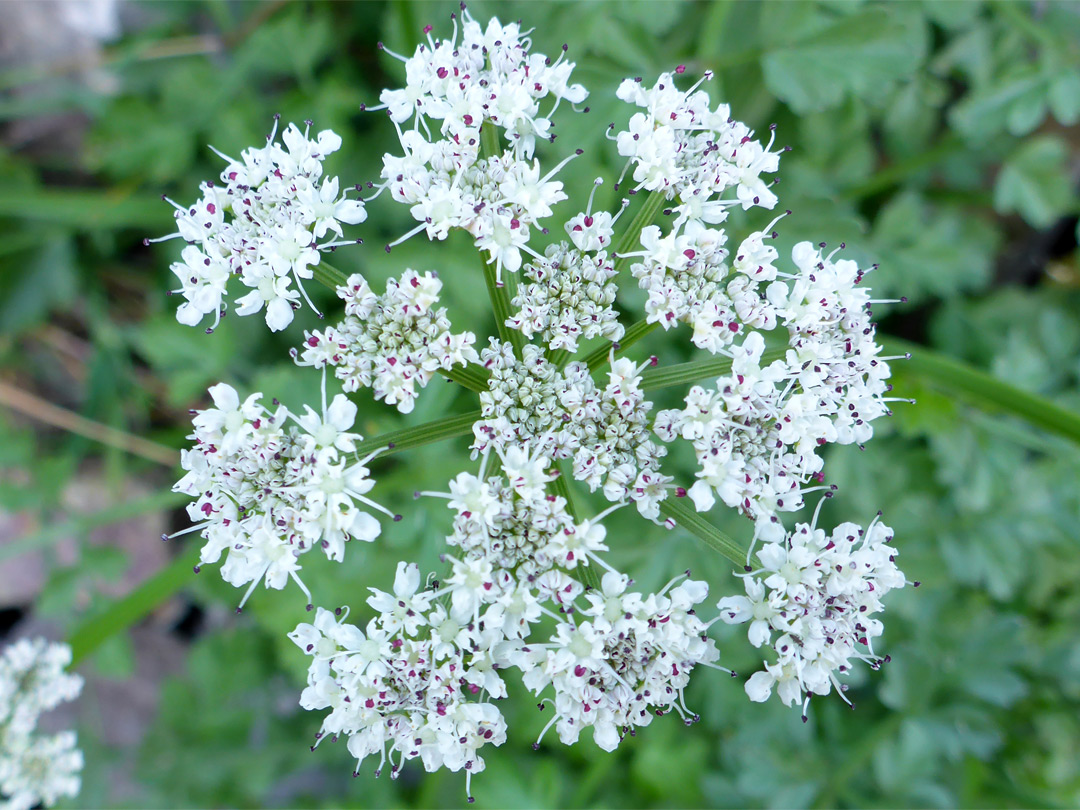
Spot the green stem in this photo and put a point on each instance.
(585, 574)
(558, 358)
(500, 292)
(684, 515)
(984, 390)
(683, 373)
(489, 140)
(406, 438)
(470, 376)
(633, 334)
(632, 235)
(325, 273)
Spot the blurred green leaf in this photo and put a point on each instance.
(813, 58)
(1034, 182)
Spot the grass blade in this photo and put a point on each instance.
(121, 615)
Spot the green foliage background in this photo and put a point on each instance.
(938, 139)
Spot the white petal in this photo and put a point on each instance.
(225, 397)
(365, 527)
(351, 212)
(188, 314)
(341, 413)
(759, 687)
(702, 496)
(279, 314)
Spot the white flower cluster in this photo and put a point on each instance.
(688, 280)
(757, 432)
(391, 343)
(627, 658)
(269, 486)
(36, 769)
(564, 414)
(816, 594)
(517, 527)
(408, 683)
(489, 77)
(691, 153)
(570, 294)
(419, 680)
(263, 226)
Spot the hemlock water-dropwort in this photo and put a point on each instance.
(794, 366)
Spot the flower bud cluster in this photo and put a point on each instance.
(813, 601)
(36, 769)
(419, 680)
(491, 79)
(390, 343)
(510, 522)
(630, 657)
(270, 485)
(569, 297)
(688, 279)
(262, 225)
(564, 414)
(497, 200)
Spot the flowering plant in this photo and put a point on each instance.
(789, 364)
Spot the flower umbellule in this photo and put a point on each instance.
(421, 678)
(36, 768)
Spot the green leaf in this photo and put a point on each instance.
(926, 249)
(83, 210)
(1064, 97)
(47, 280)
(678, 510)
(814, 59)
(1034, 182)
(86, 523)
(1027, 112)
(985, 111)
